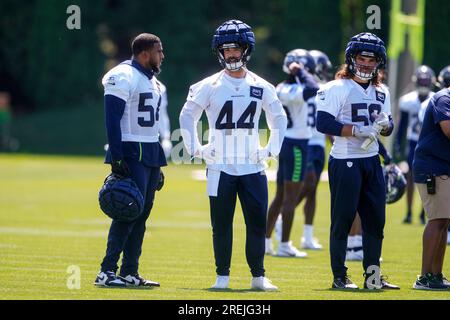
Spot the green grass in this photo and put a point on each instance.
(50, 220)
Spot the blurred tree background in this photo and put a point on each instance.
(53, 74)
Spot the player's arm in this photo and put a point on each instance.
(189, 117)
(116, 94)
(277, 123)
(310, 85)
(114, 109)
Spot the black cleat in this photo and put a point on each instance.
(343, 283)
(137, 281)
(430, 282)
(441, 278)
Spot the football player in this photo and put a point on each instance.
(356, 110)
(132, 100)
(295, 93)
(233, 100)
(316, 155)
(409, 105)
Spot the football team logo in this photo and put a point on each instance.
(256, 92)
(380, 96)
(349, 164)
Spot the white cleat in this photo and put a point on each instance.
(278, 228)
(311, 245)
(286, 249)
(221, 282)
(269, 247)
(263, 284)
(448, 237)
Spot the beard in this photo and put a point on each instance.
(232, 60)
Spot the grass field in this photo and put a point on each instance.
(50, 220)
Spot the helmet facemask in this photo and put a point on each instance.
(232, 63)
(358, 69)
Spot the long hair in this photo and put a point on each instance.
(345, 73)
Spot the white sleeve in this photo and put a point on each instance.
(277, 122)
(164, 121)
(327, 100)
(403, 104)
(199, 93)
(117, 84)
(189, 116)
(387, 103)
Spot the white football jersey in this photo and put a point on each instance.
(233, 108)
(164, 122)
(140, 121)
(423, 108)
(317, 138)
(410, 103)
(291, 96)
(351, 104)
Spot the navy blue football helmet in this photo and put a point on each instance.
(120, 198)
(395, 183)
(300, 56)
(424, 79)
(368, 45)
(444, 77)
(233, 34)
(323, 65)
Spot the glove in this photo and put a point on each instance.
(161, 181)
(166, 144)
(382, 120)
(365, 132)
(260, 155)
(206, 153)
(120, 168)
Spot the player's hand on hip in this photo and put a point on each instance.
(166, 144)
(260, 155)
(120, 167)
(365, 132)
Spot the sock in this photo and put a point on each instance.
(357, 241)
(308, 232)
(284, 244)
(350, 242)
